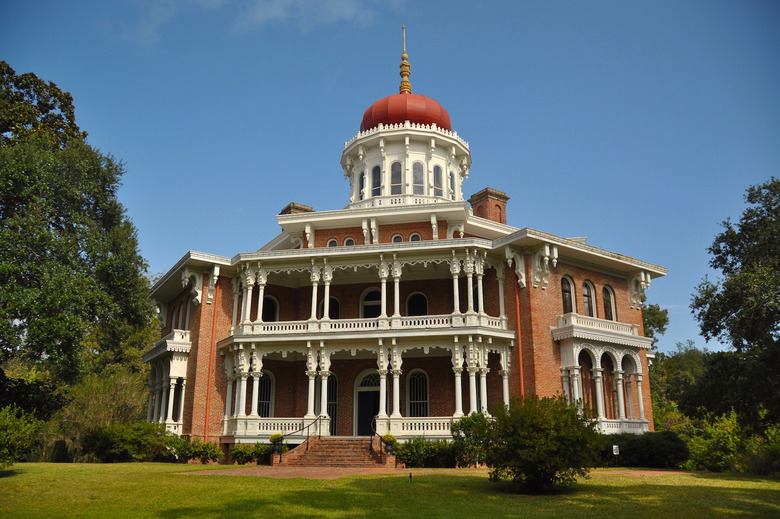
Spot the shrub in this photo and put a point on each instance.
(468, 439)
(540, 443)
(389, 439)
(720, 446)
(423, 453)
(660, 450)
(175, 449)
(263, 453)
(123, 442)
(205, 451)
(18, 435)
(243, 453)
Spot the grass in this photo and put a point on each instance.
(163, 490)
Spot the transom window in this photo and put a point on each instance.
(332, 243)
(414, 237)
(349, 242)
(395, 178)
(418, 179)
(398, 238)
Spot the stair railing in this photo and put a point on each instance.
(371, 443)
(307, 428)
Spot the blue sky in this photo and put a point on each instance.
(637, 124)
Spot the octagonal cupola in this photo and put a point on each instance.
(405, 152)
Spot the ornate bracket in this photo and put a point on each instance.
(519, 262)
(637, 286)
(309, 232)
(541, 262)
(212, 284)
(196, 279)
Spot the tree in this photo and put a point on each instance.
(654, 320)
(540, 443)
(72, 277)
(742, 308)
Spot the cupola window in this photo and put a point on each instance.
(362, 192)
(376, 181)
(395, 178)
(437, 181)
(418, 179)
(452, 185)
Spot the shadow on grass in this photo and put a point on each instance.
(475, 496)
(7, 473)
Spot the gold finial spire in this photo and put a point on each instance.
(406, 86)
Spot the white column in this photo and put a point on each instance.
(235, 305)
(324, 393)
(472, 390)
(171, 396)
(255, 388)
(310, 402)
(501, 306)
(247, 303)
(576, 384)
(382, 393)
(396, 295)
(638, 377)
(470, 286)
(480, 297)
(458, 393)
(483, 389)
(229, 398)
(629, 399)
(599, 391)
(157, 399)
(165, 390)
(383, 302)
(260, 297)
(566, 384)
(396, 394)
(621, 401)
(455, 271)
(505, 383)
(313, 300)
(326, 302)
(180, 418)
(242, 395)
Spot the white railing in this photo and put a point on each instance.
(263, 428)
(606, 426)
(426, 321)
(599, 324)
(421, 322)
(436, 426)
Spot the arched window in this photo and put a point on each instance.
(588, 299)
(395, 178)
(452, 185)
(398, 238)
(270, 310)
(362, 192)
(349, 242)
(333, 308)
(418, 179)
(376, 181)
(414, 237)
(417, 304)
(371, 306)
(332, 243)
(437, 181)
(417, 393)
(265, 394)
(567, 293)
(609, 303)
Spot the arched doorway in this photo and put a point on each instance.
(366, 403)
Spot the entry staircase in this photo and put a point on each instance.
(337, 451)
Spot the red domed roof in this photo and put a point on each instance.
(396, 109)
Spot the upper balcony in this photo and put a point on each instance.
(578, 326)
(400, 325)
(177, 341)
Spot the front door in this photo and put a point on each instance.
(368, 408)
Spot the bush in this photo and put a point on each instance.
(243, 453)
(205, 451)
(424, 453)
(123, 442)
(18, 435)
(540, 443)
(660, 450)
(468, 435)
(720, 446)
(175, 449)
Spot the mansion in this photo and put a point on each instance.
(400, 313)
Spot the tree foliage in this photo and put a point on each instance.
(18, 434)
(73, 280)
(654, 320)
(743, 308)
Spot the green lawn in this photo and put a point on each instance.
(160, 490)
